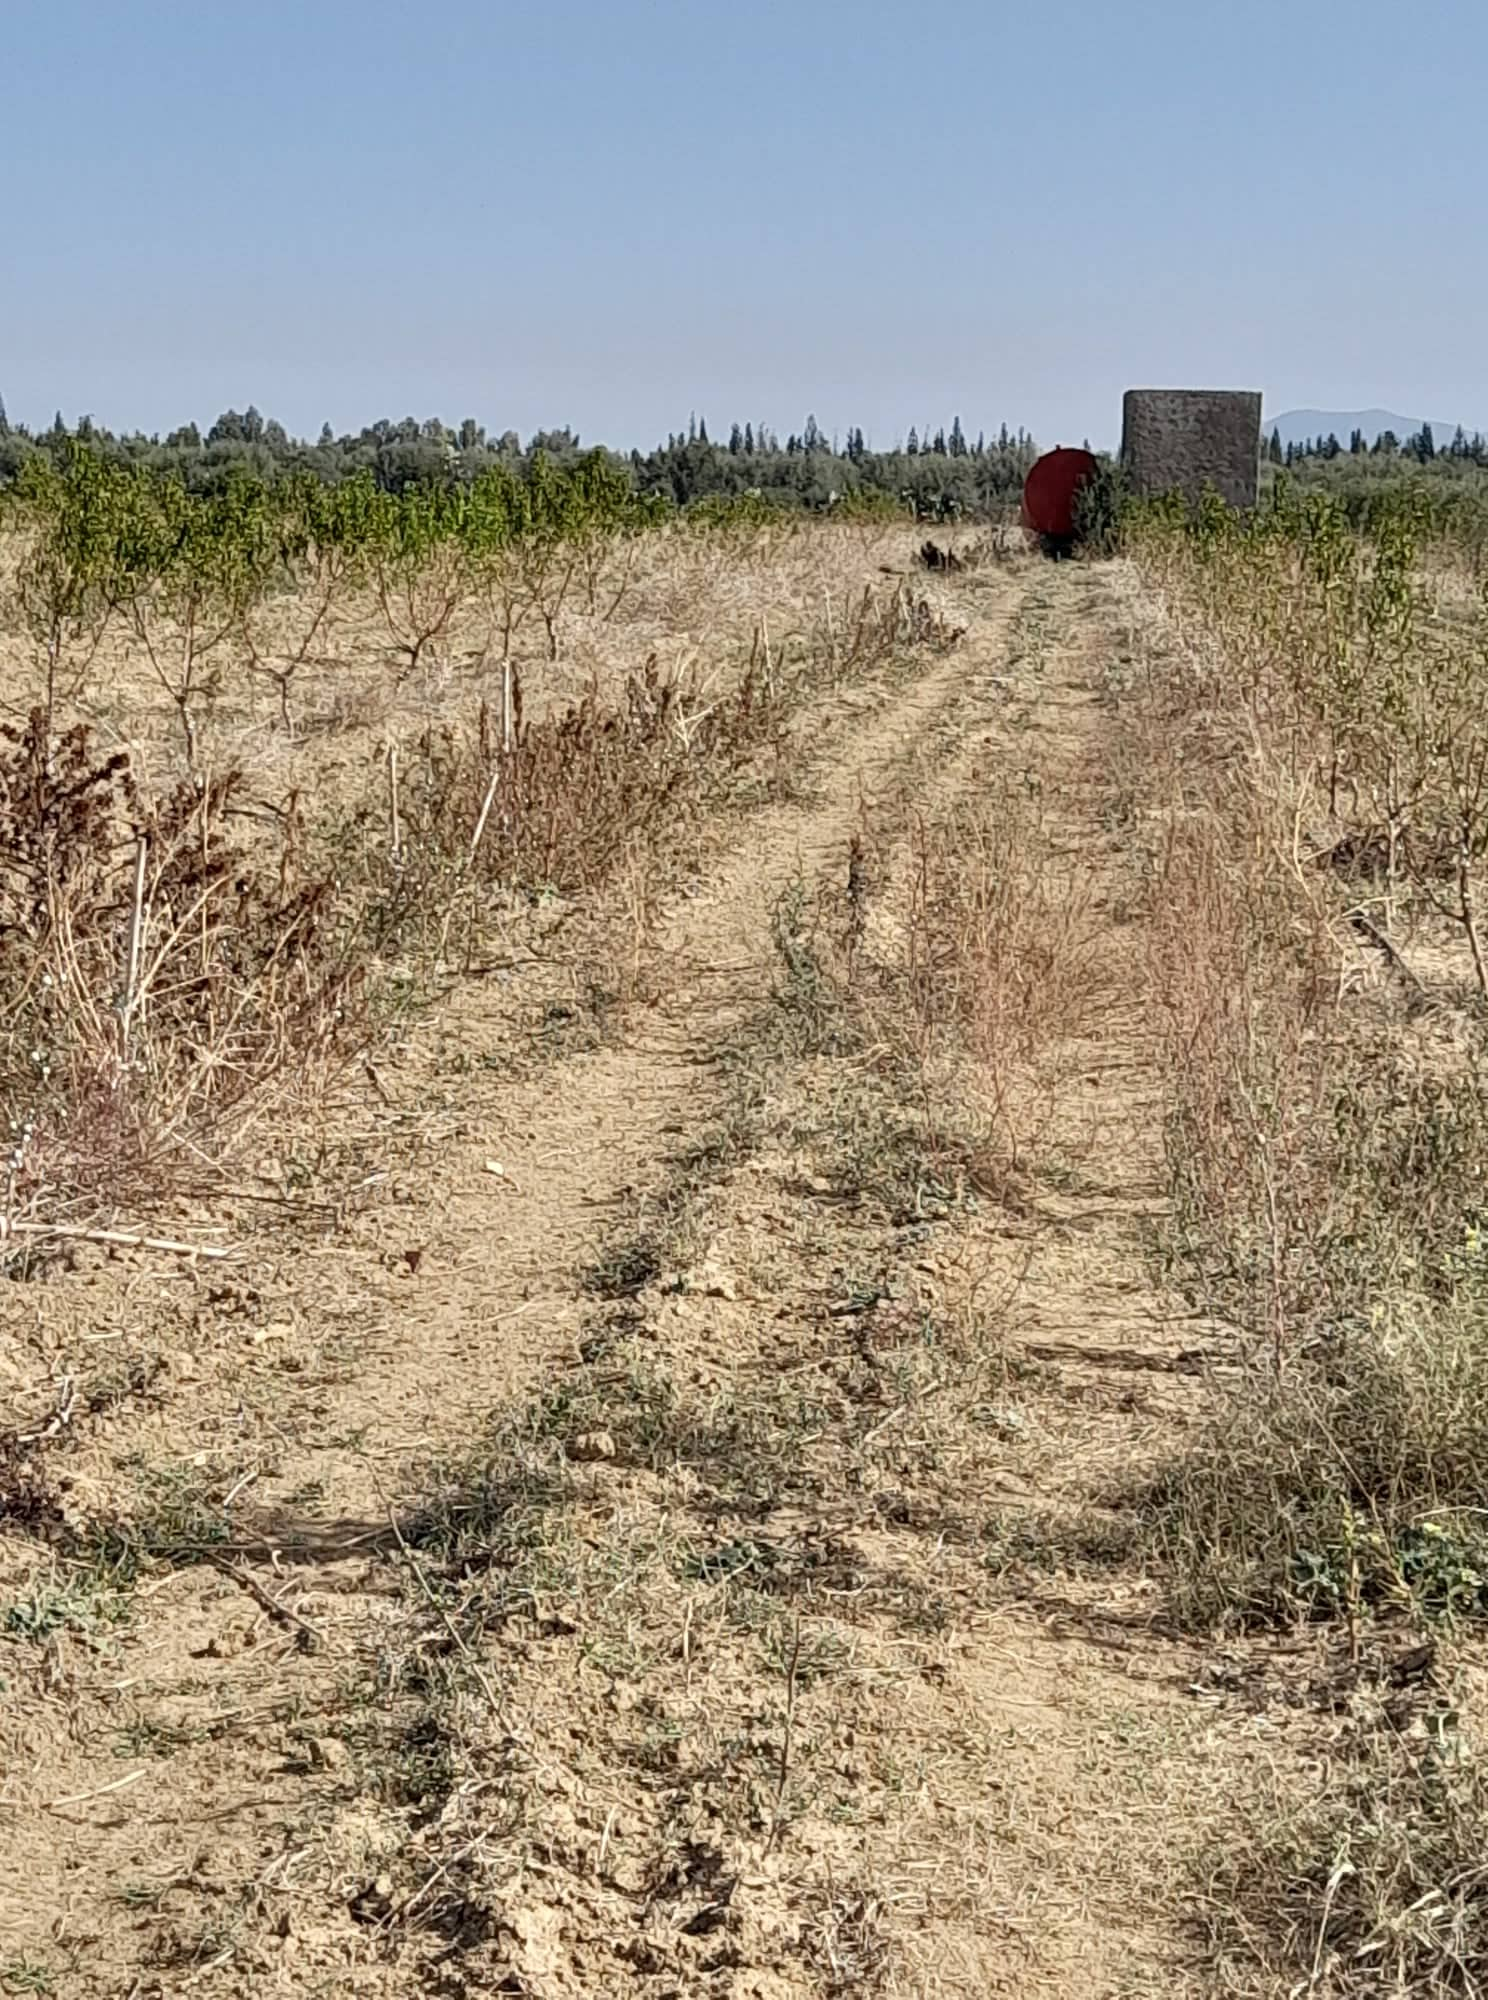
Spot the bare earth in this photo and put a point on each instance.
(628, 1592)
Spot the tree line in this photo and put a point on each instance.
(1421, 446)
(940, 473)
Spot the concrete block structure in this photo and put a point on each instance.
(1182, 440)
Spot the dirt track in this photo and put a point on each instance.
(768, 1698)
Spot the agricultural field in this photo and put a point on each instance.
(734, 1265)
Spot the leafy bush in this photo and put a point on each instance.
(1100, 508)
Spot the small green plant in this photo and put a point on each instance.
(27, 1975)
(86, 1601)
(1100, 511)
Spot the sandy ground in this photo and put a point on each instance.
(612, 1620)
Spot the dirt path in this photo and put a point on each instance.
(495, 1297)
(420, 1358)
(1102, 1739)
(780, 1662)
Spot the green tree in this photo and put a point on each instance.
(189, 567)
(68, 583)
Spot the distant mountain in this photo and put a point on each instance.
(1297, 425)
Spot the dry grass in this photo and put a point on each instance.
(675, 1492)
(308, 871)
(1002, 965)
(761, 1532)
(959, 960)
(1369, 1883)
(162, 992)
(1326, 1125)
(583, 1725)
(1324, 1142)
(699, 600)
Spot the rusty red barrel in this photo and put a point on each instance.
(1050, 488)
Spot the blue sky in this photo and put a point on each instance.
(611, 213)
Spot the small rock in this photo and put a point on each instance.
(328, 1753)
(371, 1903)
(228, 1643)
(716, 1283)
(589, 1446)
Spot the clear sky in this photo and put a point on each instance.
(610, 213)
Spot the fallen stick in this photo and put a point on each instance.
(402, 1911)
(59, 1419)
(306, 1636)
(136, 940)
(485, 813)
(127, 1239)
(451, 1627)
(99, 1791)
(1367, 928)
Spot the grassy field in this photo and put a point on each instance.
(733, 1269)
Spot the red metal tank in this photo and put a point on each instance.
(1050, 488)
